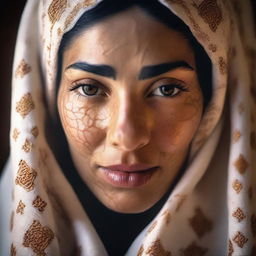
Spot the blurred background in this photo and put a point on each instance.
(9, 20)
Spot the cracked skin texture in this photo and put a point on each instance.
(129, 120)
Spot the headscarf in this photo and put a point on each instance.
(211, 210)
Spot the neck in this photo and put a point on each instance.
(116, 230)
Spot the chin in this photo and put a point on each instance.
(128, 202)
(128, 208)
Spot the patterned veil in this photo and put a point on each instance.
(211, 210)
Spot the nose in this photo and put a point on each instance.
(130, 125)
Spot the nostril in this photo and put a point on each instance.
(115, 144)
(130, 142)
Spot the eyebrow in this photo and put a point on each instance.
(155, 70)
(146, 72)
(103, 70)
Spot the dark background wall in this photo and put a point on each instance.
(9, 20)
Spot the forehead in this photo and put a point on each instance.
(132, 35)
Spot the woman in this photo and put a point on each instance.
(167, 158)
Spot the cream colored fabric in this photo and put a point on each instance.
(211, 211)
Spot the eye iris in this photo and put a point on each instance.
(167, 90)
(90, 89)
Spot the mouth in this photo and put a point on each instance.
(127, 176)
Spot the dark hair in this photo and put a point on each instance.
(158, 11)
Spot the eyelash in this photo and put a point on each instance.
(77, 86)
(172, 86)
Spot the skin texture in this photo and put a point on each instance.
(129, 120)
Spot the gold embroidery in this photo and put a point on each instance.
(200, 224)
(15, 134)
(25, 105)
(35, 131)
(141, 250)
(25, 176)
(13, 250)
(253, 225)
(167, 216)
(253, 140)
(241, 164)
(194, 249)
(212, 47)
(222, 66)
(39, 203)
(210, 13)
(27, 146)
(240, 239)
(38, 238)
(237, 186)
(239, 214)
(20, 208)
(56, 8)
(22, 69)
(11, 221)
(59, 32)
(156, 249)
(75, 10)
(152, 226)
(200, 34)
(230, 248)
(236, 136)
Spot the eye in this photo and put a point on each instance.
(168, 90)
(88, 89)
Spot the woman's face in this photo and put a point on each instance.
(130, 104)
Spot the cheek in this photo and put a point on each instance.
(177, 124)
(83, 124)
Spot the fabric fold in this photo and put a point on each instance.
(211, 210)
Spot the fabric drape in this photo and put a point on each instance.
(211, 210)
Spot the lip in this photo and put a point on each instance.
(129, 167)
(127, 176)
